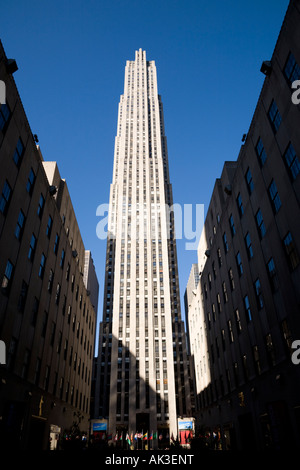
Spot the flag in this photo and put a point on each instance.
(151, 436)
(128, 438)
(135, 436)
(155, 435)
(116, 437)
(121, 436)
(145, 436)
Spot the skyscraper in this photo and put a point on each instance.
(142, 383)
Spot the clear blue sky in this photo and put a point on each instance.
(71, 57)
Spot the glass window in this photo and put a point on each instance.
(7, 278)
(249, 181)
(238, 321)
(19, 153)
(41, 206)
(232, 227)
(225, 242)
(56, 242)
(247, 308)
(62, 259)
(260, 224)
(42, 266)
(292, 161)
(4, 115)
(239, 263)
(261, 153)
(231, 279)
(49, 226)
(240, 205)
(30, 181)
(272, 275)
(274, 116)
(274, 196)
(258, 294)
(20, 225)
(291, 251)
(50, 280)
(291, 69)
(32, 247)
(249, 245)
(23, 296)
(5, 197)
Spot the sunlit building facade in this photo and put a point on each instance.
(142, 382)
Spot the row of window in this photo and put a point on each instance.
(237, 374)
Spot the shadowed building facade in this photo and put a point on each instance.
(245, 314)
(47, 319)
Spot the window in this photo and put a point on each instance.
(231, 280)
(292, 162)
(35, 309)
(219, 303)
(260, 224)
(30, 182)
(225, 242)
(18, 153)
(49, 226)
(274, 196)
(247, 308)
(258, 294)
(23, 296)
(20, 225)
(249, 245)
(291, 69)
(274, 116)
(4, 116)
(57, 295)
(256, 360)
(5, 198)
(25, 364)
(240, 204)
(50, 281)
(219, 257)
(41, 206)
(291, 251)
(249, 181)
(270, 350)
(239, 263)
(7, 278)
(225, 295)
(62, 259)
(261, 153)
(56, 243)
(44, 324)
(42, 266)
(232, 227)
(68, 272)
(238, 321)
(32, 247)
(272, 275)
(230, 331)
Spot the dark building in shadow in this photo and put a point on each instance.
(244, 317)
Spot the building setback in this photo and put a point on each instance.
(47, 319)
(245, 314)
(142, 382)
